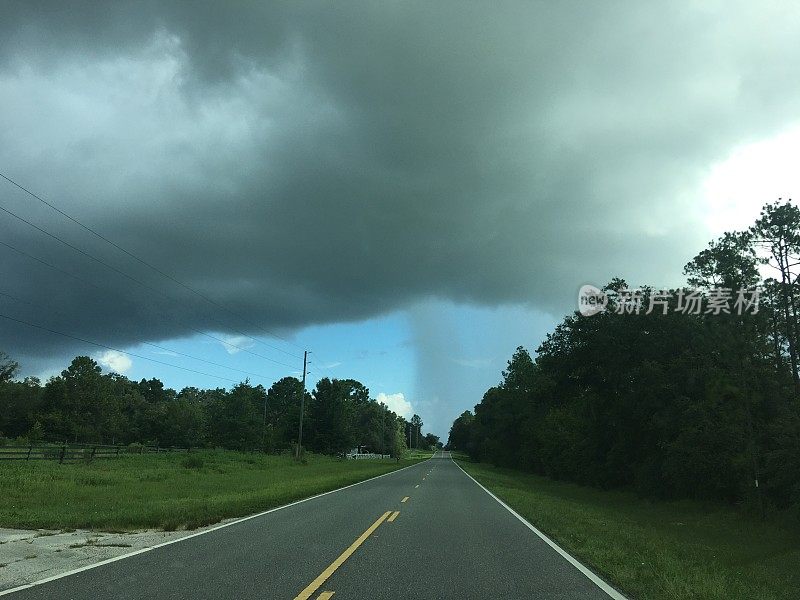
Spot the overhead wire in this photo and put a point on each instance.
(225, 343)
(134, 279)
(109, 266)
(151, 344)
(107, 347)
(151, 266)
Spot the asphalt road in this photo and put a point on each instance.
(425, 532)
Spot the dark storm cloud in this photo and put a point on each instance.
(317, 162)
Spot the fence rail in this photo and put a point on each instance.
(64, 452)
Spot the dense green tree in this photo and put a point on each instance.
(331, 413)
(431, 440)
(8, 367)
(668, 401)
(84, 405)
(460, 437)
(85, 402)
(236, 419)
(777, 231)
(414, 431)
(283, 412)
(20, 406)
(729, 262)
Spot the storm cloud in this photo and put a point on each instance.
(305, 163)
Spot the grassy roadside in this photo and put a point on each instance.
(418, 454)
(656, 550)
(167, 491)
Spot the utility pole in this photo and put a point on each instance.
(383, 431)
(302, 404)
(264, 425)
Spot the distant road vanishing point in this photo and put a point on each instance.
(426, 532)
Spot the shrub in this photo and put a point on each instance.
(135, 448)
(193, 461)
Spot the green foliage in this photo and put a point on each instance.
(415, 438)
(460, 438)
(331, 412)
(283, 414)
(193, 461)
(671, 405)
(8, 367)
(660, 550)
(236, 418)
(158, 490)
(36, 433)
(83, 405)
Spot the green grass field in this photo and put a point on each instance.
(418, 454)
(167, 491)
(657, 550)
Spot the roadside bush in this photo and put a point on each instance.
(193, 461)
(135, 448)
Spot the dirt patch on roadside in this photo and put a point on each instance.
(27, 556)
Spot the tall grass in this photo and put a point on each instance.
(658, 550)
(167, 491)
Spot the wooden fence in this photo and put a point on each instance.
(62, 452)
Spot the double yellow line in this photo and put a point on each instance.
(325, 575)
(389, 516)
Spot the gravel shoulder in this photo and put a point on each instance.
(31, 555)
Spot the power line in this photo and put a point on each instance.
(176, 352)
(321, 364)
(87, 282)
(86, 254)
(99, 345)
(210, 362)
(119, 271)
(147, 264)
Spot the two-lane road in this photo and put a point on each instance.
(425, 532)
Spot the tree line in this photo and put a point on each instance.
(671, 403)
(84, 405)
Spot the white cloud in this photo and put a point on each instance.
(397, 403)
(234, 344)
(752, 175)
(115, 361)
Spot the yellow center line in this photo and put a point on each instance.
(325, 596)
(404, 499)
(394, 516)
(323, 577)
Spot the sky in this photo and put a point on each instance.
(408, 190)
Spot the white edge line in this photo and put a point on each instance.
(571, 559)
(198, 533)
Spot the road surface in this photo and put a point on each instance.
(425, 532)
